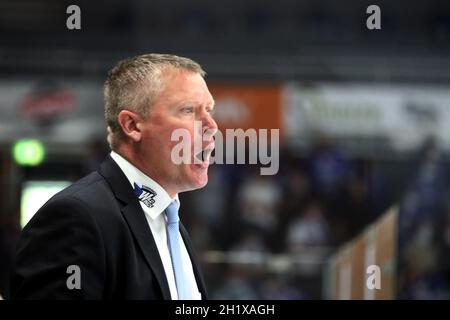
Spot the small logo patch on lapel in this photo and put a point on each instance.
(145, 194)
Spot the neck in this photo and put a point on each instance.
(132, 157)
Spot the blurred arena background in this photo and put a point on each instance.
(364, 117)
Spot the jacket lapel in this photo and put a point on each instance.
(135, 217)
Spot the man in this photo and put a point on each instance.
(115, 234)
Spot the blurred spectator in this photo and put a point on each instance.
(237, 286)
(329, 169)
(259, 198)
(349, 211)
(282, 287)
(210, 201)
(309, 229)
(297, 185)
(423, 271)
(250, 241)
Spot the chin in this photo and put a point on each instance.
(197, 183)
(201, 182)
(198, 178)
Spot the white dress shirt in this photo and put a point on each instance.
(157, 222)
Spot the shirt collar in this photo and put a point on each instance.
(134, 175)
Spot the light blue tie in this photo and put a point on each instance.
(174, 242)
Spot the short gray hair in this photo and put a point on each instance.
(134, 83)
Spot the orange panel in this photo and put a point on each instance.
(247, 106)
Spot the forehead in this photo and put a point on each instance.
(180, 84)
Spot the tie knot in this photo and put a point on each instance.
(172, 213)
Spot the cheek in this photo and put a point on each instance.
(184, 133)
(157, 144)
(160, 138)
(160, 134)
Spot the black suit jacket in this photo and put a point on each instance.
(98, 225)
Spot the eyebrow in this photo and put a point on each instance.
(208, 105)
(193, 102)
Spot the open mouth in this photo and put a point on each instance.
(205, 154)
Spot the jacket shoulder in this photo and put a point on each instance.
(89, 196)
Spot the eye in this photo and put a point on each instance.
(211, 111)
(187, 109)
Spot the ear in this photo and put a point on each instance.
(130, 124)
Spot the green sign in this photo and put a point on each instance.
(28, 152)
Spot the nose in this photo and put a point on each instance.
(209, 125)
